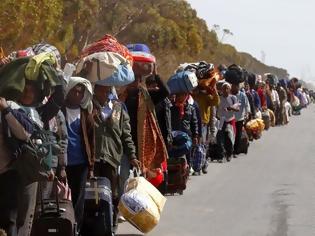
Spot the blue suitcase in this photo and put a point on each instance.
(98, 208)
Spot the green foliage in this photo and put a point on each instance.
(171, 28)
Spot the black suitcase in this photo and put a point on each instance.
(54, 217)
(98, 208)
(244, 144)
(214, 152)
(178, 172)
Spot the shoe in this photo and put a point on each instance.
(204, 170)
(196, 173)
(228, 159)
(220, 160)
(191, 171)
(121, 219)
(235, 156)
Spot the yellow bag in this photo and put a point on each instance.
(141, 204)
(261, 124)
(256, 125)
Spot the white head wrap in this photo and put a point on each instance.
(226, 84)
(86, 102)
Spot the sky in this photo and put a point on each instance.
(282, 30)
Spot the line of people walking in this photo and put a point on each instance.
(109, 113)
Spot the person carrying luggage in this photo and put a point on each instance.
(14, 123)
(207, 97)
(226, 115)
(81, 140)
(281, 88)
(184, 118)
(113, 139)
(140, 103)
(240, 116)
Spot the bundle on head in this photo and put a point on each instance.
(235, 74)
(107, 44)
(271, 79)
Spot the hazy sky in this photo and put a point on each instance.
(283, 29)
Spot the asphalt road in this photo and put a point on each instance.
(269, 192)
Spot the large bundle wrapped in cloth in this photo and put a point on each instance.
(141, 204)
(235, 74)
(206, 73)
(40, 69)
(106, 68)
(271, 79)
(255, 127)
(107, 44)
(106, 62)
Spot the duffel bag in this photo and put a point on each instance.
(106, 68)
(182, 82)
(181, 144)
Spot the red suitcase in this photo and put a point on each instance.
(178, 173)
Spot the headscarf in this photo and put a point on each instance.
(226, 84)
(86, 102)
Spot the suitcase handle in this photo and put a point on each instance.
(56, 196)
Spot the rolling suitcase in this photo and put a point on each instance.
(54, 217)
(98, 208)
(244, 144)
(214, 152)
(178, 172)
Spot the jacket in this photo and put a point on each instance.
(189, 122)
(163, 114)
(205, 101)
(244, 106)
(113, 135)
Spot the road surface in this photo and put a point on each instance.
(269, 192)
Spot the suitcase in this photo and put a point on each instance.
(244, 144)
(98, 208)
(198, 156)
(178, 172)
(214, 152)
(182, 82)
(54, 217)
(266, 119)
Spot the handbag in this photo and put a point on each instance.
(34, 157)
